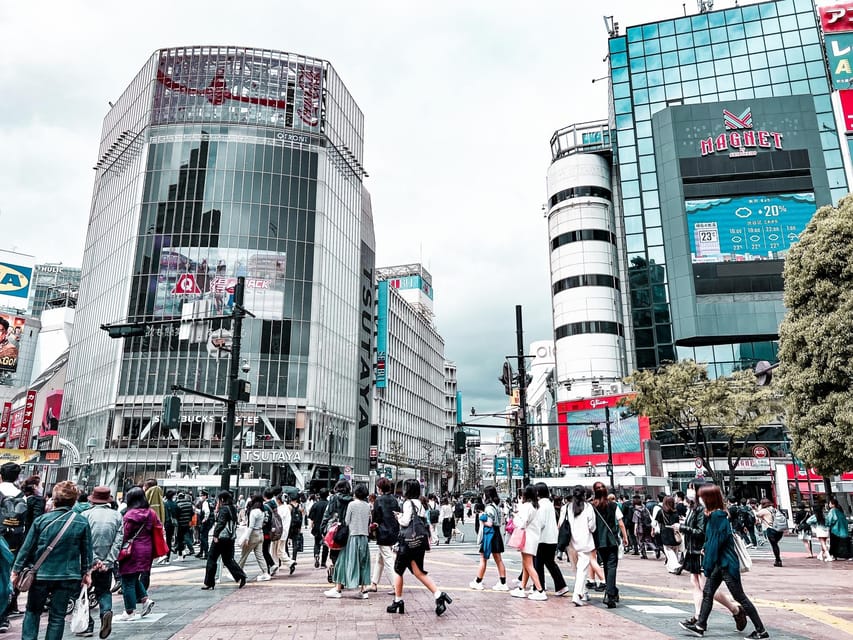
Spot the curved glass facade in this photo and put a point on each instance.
(220, 162)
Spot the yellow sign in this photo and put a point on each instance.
(19, 456)
(514, 398)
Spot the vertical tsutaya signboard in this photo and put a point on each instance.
(16, 272)
(11, 333)
(459, 407)
(847, 108)
(839, 53)
(5, 418)
(838, 17)
(27, 424)
(365, 340)
(381, 334)
(579, 418)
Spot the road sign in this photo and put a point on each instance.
(235, 458)
(186, 285)
(500, 467)
(374, 452)
(518, 467)
(760, 451)
(698, 463)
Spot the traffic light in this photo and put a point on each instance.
(506, 378)
(597, 436)
(124, 330)
(244, 390)
(460, 442)
(171, 412)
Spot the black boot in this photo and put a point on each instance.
(441, 603)
(398, 606)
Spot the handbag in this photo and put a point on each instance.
(518, 538)
(329, 538)
(127, 547)
(415, 534)
(742, 554)
(80, 615)
(564, 535)
(510, 526)
(27, 576)
(341, 535)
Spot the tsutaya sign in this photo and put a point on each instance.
(740, 137)
(271, 455)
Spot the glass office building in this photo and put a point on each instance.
(215, 163)
(701, 283)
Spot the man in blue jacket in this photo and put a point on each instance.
(107, 535)
(69, 563)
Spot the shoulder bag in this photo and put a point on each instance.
(127, 547)
(742, 554)
(415, 534)
(27, 576)
(620, 550)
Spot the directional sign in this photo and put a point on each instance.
(518, 467)
(500, 467)
(186, 285)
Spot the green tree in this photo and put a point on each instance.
(816, 341)
(682, 399)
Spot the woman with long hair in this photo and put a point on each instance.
(693, 532)
(839, 534)
(547, 549)
(804, 531)
(255, 542)
(582, 521)
(413, 559)
(667, 517)
(490, 540)
(609, 520)
(527, 520)
(224, 536)
(817, 522)
(352, 569)
(336, 511)
(139, 524)
(720, 564)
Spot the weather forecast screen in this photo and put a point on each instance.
(746, 228)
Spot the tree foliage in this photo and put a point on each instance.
(681, 398)
(816, 341)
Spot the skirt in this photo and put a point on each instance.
(692, 563)
(497, 542)
(406, 556)
(352, 568)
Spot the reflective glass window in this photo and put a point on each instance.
(690, 88)
(794, 55)
(686, 56)
(684, 40)
(624, 122)
(668, 44)
(788, 23)
(634, 34)
(666, 28)
(617, 45)
(737, 47)
(799, 86)
(770, 25)
(673, 92)
(630, 189)
(809, 36)
(634, 224)
(736, 31)
(641, 96)
(619, 59)
(638, 64)
(652, 217)
(773, 41)
(656, 255)
(743, 94)
(671, 72)
(622, 106)
(750, 12)
(654, 62)
(640, 80)
(655, 78)
(797, 72)
(650, 31)
(780, 88)
(689, 72)
(716, 19)
(654, 236)
(700, 21)
(706, 69)
(648, 181)
(656, 94)
(720, 51)
(670, 60)
(645, 146)
(635, 242)
(832, 158)
(815, 70)
(647, 163)
(621, 90)
(636, 49)
(642, 112)
(723, 66)
(761, 77)
(742, 80)
(629, 172)
(631, 207)
(719, 35)
(725, 83)
(619, 75)
(683, 25)
(813, 52)
(752, 30)
(651, 46)
(791, 39)
(817, 85)
(728, 95)
(650, 198)
(776, 59)
(701, 38)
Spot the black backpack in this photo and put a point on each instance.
(645, 519)
(747, 517)
(13, 513)
(295, 521)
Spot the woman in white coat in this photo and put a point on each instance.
(526, 519)
(582, 520)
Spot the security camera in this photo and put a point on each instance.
(246, 367)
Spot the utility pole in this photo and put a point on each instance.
(609, 449)
(233, 391)
(522, 396)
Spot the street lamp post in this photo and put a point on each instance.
(329, 432)
(609, 449)
(522, 397)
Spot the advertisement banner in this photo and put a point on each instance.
(16, 272)
(838, 17)
(846, 97)
(800, 471)
(5, 418)
(50, 418)
(500, 467)
(381, 334)
(580, 417)
(11, 334)
(27, 423)
(839, 52)
(746, 228)
(50, 457)
(18, 456)
(16, 421)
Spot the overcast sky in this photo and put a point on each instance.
(460, 101)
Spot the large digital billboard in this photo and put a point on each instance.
(11, 333)
(16, 272)
(580, 418)
(746, 228)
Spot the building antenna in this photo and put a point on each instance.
(611, 26)
(705, 5)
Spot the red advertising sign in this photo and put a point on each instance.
(846, 96)
(50, 417)
(5, 418)
(185, 285)
(580, 418)
(759, 451)
(15, 423)
(795, 472)
(838, 17)
(27, 424)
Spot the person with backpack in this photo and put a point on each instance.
(352, 568)
(775, 524)
(410, 557)
(387, 533)
(60, 542)
(272, 519)
(336, 511)
(747, 516)
(315, 516)
(609, 526)
(627, 512)
(294, 529)
(641, 520)
(279, 527)
(224, 536)
(206, 518)
(13, 510)
(170, 524)
(256, 515)
(490, 540)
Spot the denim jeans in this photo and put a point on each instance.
(132, 590)
(60, 592)
(732, 580)
(101, 583)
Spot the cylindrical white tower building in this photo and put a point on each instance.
(585, 287)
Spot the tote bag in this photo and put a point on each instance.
(517, 539)
(742, 554)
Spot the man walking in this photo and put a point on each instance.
(107, 534)
(185, 512)
(315, 515)
(13, 511)
(206, 519)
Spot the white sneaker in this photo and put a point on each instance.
(332, 593)
(146, 607)
(500, 586)
(263, 577)
(518, 592)
(124, 616)
(477, 586)
(830, 559)
(565, 590)
(537, 595)
(362, 595)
